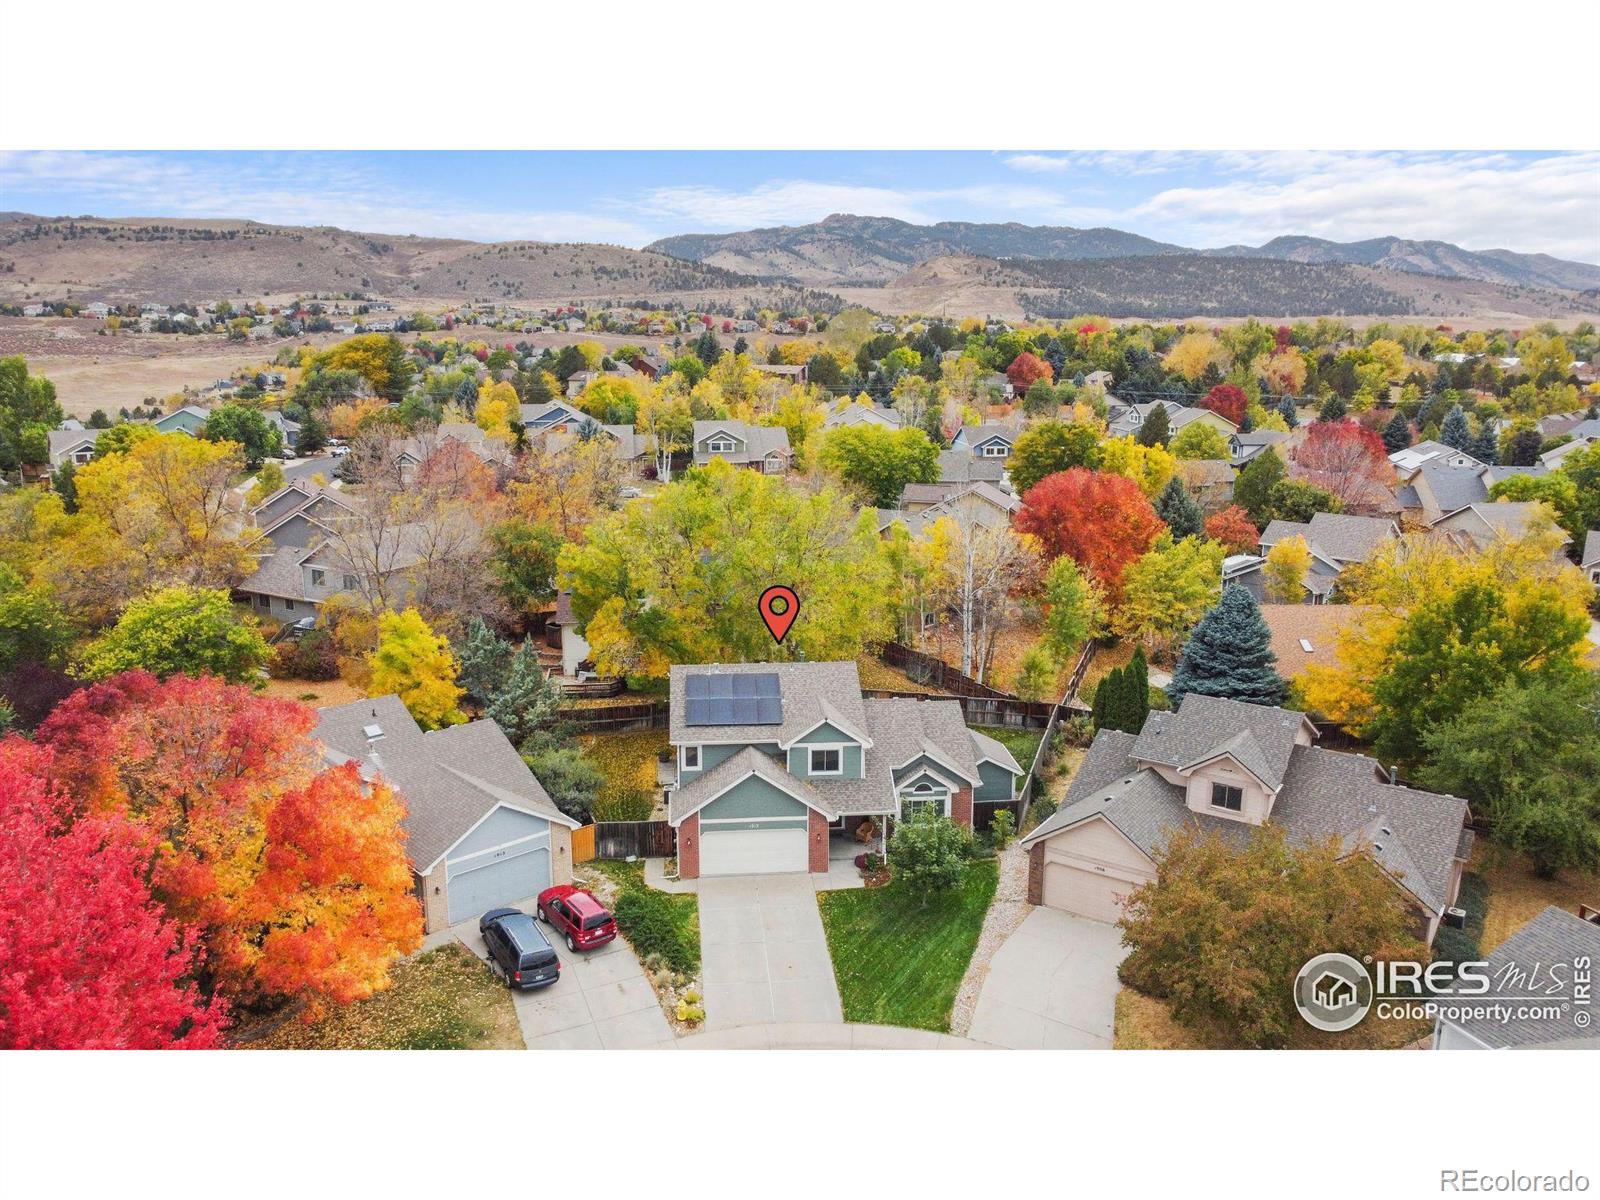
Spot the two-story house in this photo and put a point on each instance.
(1123, 420)
(1225, 767)
(781, 766)
(1336, 541)
(75, 446)
(763, 448)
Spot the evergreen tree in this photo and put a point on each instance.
(1252, 490)
(1102, 698)
(1455, 432)
(1229, 654)
(1397, 433)
(1287, 412)
(1136, 693)
(1156, 428)
(1177, 508)
(707, 349)
(485, 660)
(527, 704)
(1333, 409)
(1485, 448)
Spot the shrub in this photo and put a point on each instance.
(649, 926)
(1003, 828)
(313, 657)
(929, 852)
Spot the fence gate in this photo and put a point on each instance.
(582, 844)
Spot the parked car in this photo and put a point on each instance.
(629, 492)
(579, 917)
(338, 451)
(519, 949)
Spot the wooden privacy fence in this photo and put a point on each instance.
(582, 844)
(617, 718)
(977, 710)
(925, 668)
(638, 839)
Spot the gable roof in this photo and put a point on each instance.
(807, 693)
(1452, 488)
(748, 763)
(759, 440)
(1337, 537)
(962, 466)
(449, 779)
(1259, 737)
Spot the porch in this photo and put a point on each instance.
(847, 837)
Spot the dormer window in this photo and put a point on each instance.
(1227, 796)
(996, 450)
(720, 446)
(826, 760)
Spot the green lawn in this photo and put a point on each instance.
(654, 922)
(1023, 743)
(898, 961)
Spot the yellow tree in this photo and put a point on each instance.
(1286, 565)
(1151, 467)
(1192, 354)
(163, 513)
(414, 663)
(497, 405)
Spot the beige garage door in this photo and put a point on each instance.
(776, 849)
(1086, 893)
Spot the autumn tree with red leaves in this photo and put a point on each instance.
(1227, 401)
(1233, 528)
(1103, 522)
(297, 877)
(1027, 369)
(87, 960)
(1347, 460)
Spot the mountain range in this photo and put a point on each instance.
(955, 268)
(864, 251)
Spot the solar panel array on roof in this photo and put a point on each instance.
(732, 700)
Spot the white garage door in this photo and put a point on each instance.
(767, 851)
(1086, 893)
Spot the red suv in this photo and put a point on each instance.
(583, 919)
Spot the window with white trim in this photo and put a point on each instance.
(922, 795)
(996, 450)
(826, 760)
(689, 757)
(1225, 795)
(318, 576)
(720, 446)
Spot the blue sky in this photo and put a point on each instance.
(1531, 202)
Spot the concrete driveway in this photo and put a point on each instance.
(1052, 985)
(763, 955)
(601, 1002)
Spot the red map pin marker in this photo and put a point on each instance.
(778, 607)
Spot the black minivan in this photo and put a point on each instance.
(518, 948)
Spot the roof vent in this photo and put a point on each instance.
(1386, 831)
(1378, 846)
(373, 732)
(1373, 809)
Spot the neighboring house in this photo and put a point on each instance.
(1582, 434)
(962, 466)
(574, 650)
(1479, 526)
(1225, 767)
(980, 504)
(777, 762)
(861, 414)
(189, 419)
(1126, 419)
(1409, 461)
(1099, 379)
(1542, 964)
(1246, 571)
(537, 418)
(651, 366)
(481, 831)
(1305, 634)
(800, 374)
(287, 428)
(762, 447)
(992, 439)
(1243, 448)
(1591, 556)
(1335, 541)
(1437, 489)
(632, 447)
(75, 446)
(1208, 480)
(413, 452)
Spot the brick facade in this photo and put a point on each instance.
(961, 806)
(1036, 873)
(435, 899)
(560, 854)
(817, 840)
(689, 847)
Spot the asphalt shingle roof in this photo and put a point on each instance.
(1258, 736)
(802, 688)
(1453, 487)
(1554, 936)
(962, 466)
(449, 779)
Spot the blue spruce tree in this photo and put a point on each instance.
(1455, 432)
(1229, 654)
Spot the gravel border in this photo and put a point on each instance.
(1008, 910)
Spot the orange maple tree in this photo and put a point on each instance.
(296, 874)
(1233, 528)
(1103, 521)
